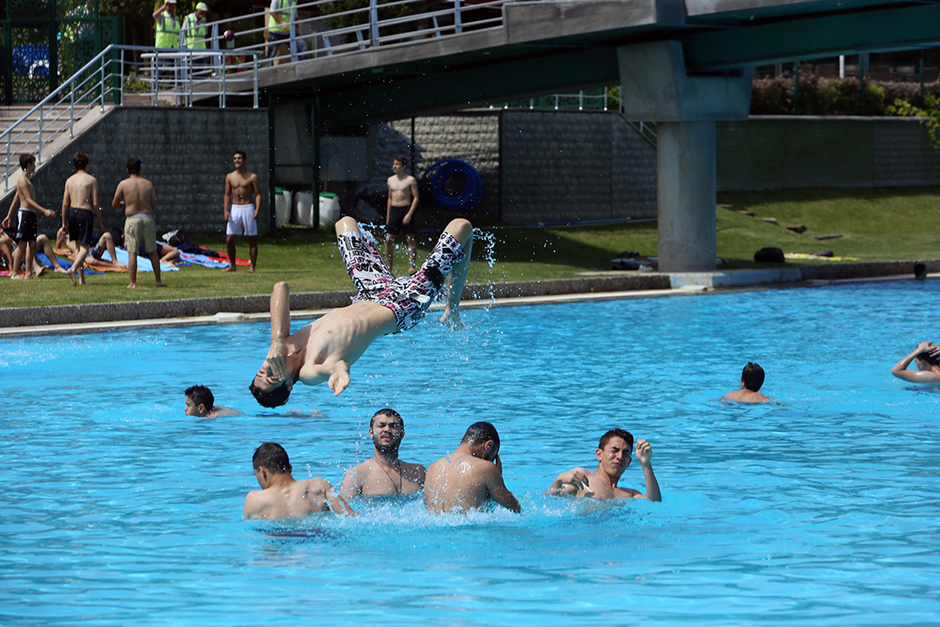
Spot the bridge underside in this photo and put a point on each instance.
(685, 65)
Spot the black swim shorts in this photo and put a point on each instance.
(81, 223)
(27, 226)
(394, 225)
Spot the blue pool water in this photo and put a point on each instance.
(822, 509)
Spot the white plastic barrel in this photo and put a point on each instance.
(304, 208)
(329, 210)
(282, 207)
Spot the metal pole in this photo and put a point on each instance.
(796, 87)
(39, 155)
(154, 76)
(121, 81)
(222, 95)
(103, 57)
(255, 57)
(374, 21)
(189, 74)
(71, 111)
(458, 22)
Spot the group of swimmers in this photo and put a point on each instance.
(468, 478)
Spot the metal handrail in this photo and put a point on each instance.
(103, 80)
(368, 32)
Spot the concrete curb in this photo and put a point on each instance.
(201, 307)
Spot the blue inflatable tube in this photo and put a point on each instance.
(468, 198)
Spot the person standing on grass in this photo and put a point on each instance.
(27, 228)
(136, 195)
(400, 212)
(80, 207)
(241, 188)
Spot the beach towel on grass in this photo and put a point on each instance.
(143, 263)
(65, 263)
(204, 260)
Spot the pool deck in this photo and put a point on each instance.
(593, 286)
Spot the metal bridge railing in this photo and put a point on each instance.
(128, 75)
(357, 29)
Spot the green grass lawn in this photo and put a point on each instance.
(876, 225)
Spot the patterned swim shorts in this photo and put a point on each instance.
(409, 296)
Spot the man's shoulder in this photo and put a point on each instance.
(316, 485)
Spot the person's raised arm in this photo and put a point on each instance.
(573, 482)
(913, 376)
(644, 454)
(157, 13)
(280, 327)
(497, 488)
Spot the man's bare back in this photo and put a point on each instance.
(137, 194)
(81, 191)
(746, 396)
(470, 476)
(300, 498)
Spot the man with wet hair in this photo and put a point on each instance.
(325, 350)
(281, 496)
(201, 403)
(136, 195)
(384, 474)
(469, 477)
(400, 212)
(240, 206)
(27, 226)
(752, 378)
(80, 207)
(613, 458)
(927, 358)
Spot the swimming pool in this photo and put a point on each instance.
(822, 509)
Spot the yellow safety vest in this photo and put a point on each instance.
(194, 36)
(168, 31)
(283, 9)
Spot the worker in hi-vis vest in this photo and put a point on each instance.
(279, 20)
(195, 31)
(168, 26)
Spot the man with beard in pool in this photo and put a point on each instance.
(384, 474)
(613, 458)
(324, 350)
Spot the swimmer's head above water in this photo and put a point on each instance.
(483, 440)
(927, 360)
(268, 390)
(752, 377)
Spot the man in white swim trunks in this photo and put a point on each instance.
(136, 195)
(325, 350)
(241, 186)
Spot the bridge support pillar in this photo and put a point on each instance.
(655, 86)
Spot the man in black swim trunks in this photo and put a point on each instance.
(27, 230)
(80, 206)
(400, 212)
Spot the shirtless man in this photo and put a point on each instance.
(927, 358)
(752, 378)
(201, 403)
(241, 187)
(400, 211)
(613, 458)
(384, 474)
(281, 496)
(324, 350)
(136, 194)
(470, 476)
(79, 208)
(27, 221)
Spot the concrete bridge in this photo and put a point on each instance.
(684, 65)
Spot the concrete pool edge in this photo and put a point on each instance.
(103, 316)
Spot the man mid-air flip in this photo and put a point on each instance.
(325, 349)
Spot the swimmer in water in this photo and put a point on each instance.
(613, 458)
(324, 350)
(752, 378)
(384, 474)
(470, 476)
(927, 358)
(201, 403)
(281, 496)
